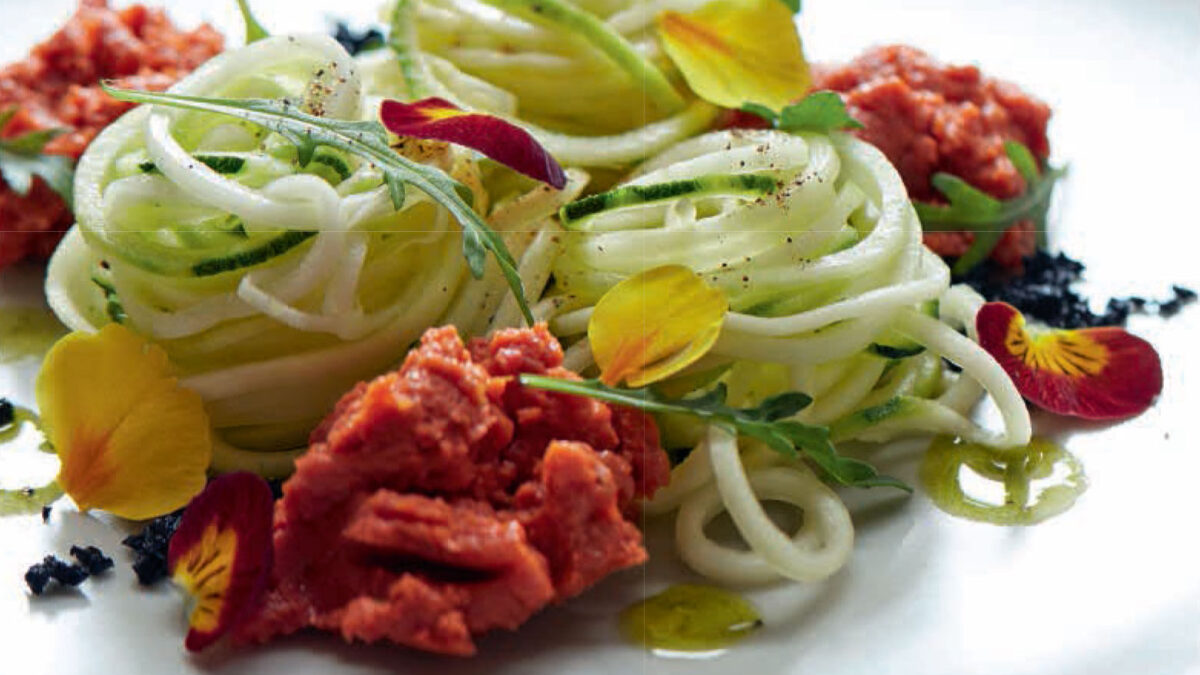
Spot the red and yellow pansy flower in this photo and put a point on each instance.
(438, 119)
(1094, 373)
(221, 554)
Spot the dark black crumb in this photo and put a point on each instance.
(150, 548)
(92, 559)
(357, 41)
(39, 575)
(46, 513)
(1182, 297)
(7, 412)
(1044, 292)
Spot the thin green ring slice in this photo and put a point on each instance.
(572, 214)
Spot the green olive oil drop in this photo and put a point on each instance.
(1015, 486)
(25, 333)
(689, 618)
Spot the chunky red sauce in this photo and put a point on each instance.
(444, 500)
(929, 117)
(57, 87)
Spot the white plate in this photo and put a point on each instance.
(1112, 586)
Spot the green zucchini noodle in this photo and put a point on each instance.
(587, 78)
(831, 293)
(275, 287)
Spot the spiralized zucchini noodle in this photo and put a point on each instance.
(831, 293)
(587, 78)
(275, 287)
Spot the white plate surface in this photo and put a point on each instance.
(1112, 586)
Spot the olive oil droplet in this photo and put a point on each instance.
(690, 618)
(27, 332)
(1024, 486)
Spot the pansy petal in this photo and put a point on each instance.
(131, 441)
(654, 325)
(733, 52)
(508, 144)
(1093, 373)
(221, 554)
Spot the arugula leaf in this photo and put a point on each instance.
(254, 29)
(972, 210)
(820, 111)
(368, 140)
(21, 159)
(768, 423)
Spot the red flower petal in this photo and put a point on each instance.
(439, 119)
(221, 554)
(1093, 373)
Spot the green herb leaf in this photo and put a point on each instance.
(768, 423)
(972, 210)
(762, 111)
(793, 5)
(21, 159)
(820, 111)
(368, 140)
(254, 29)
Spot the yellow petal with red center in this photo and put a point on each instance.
(220, 555)
(1093, 373)
(654, 325)
(733, 52)
(131, 441)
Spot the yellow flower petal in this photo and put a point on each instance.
(655, 324)
(733, 52)
(131, 441)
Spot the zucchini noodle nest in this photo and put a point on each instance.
(273, 287)
(587, 78)
(831, 293)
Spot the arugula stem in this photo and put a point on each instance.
(771, 423)
(588, 389)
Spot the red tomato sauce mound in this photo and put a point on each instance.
(929, 117)
(445, 500)
(57, 87)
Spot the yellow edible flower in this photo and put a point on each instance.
(733, 52)
(654, 325)
(131, 441)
